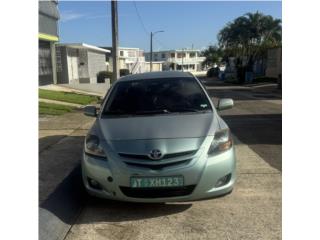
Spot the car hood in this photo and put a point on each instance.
(158, 127)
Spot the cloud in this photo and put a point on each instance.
(70, 15)
(97, 16)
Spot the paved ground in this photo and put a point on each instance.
(252, 211)
(61, 103)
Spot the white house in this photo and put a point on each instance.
(129, 58)
(79, 63)
(188, 59)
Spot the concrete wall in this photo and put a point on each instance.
(274, 62)
(48, 17)
(96, 64)
(83, 66)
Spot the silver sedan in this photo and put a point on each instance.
(158, 138)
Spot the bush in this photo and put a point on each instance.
(124, 72)
(213, 72)
(101, 76)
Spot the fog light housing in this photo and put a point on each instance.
(94, 184)
(224, 180)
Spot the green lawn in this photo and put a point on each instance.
(67, 97)
(53, 109)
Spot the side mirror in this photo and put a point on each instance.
(224, 103)
(90, 111)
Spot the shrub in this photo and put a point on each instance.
(124, 72)
(213, 72)
(101, 76)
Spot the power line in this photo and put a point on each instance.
(144, 27)
(142, 24)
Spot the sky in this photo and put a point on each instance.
(185, 24)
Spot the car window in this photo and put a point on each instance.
(156, 96)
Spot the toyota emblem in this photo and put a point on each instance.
(155, 154)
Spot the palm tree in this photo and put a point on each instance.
(249, 36)
(213, 55)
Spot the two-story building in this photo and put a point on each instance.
(129, 58)
(48, 36)
(184, 59)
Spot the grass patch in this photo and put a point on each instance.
(68, 97)
(53, 109)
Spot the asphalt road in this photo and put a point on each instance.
(251, 211)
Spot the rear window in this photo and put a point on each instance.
(156, 96)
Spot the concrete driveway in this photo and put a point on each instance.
(251, 211)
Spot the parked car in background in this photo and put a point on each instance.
(158, 138)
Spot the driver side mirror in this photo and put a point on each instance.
(225, 103)
(90, 111)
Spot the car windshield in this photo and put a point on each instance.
(157, 96)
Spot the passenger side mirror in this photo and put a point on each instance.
(224, 103)
(90, 111)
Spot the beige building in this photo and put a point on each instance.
(129, 58)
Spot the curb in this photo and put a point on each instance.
(60, 210)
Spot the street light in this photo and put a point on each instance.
(151, 36)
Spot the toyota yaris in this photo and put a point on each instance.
(158, 138)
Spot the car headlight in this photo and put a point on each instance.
(92, 146)
(221, 142)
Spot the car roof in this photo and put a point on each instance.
(154, 75)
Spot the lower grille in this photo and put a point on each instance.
(157, 192)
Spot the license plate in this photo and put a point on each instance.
(151, 182)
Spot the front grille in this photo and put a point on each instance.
(166, 156)
(157, 192)
(158, 166)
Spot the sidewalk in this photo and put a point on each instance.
(61, 88)
(60, 191)
(61, 103)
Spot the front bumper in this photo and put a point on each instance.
(200, 177)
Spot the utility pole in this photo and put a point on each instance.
(115, 40)
(151, 54)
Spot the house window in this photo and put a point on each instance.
(121, 53)
(131, 53)
(180, 55)
(173, 55)
(192, 55)
(163, 55)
